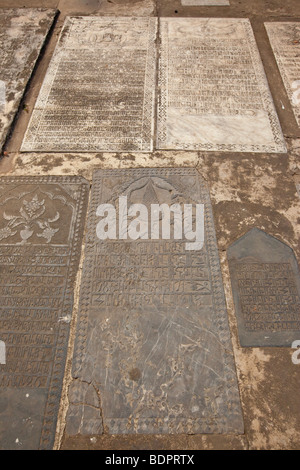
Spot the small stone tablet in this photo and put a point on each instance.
(99, 91)
(285, 42)
(214, 94)
(41, 225)
(22, 34)
(153, 352)
(266, 290)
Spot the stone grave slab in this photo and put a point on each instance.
(266, 290)
(41, 228)
(195, 3)
(99, 91)
(22, 35)
(214, 93)
(285, 42)
(153, 351)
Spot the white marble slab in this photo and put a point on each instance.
(99, 90)
(285, 42)
(214, 94)
(195, 3)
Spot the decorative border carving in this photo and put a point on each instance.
(233, 412)
(267, 101)
(145, 142)
(58, 369)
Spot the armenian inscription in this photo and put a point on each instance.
(285, 42)
(266, 289)
(152, 339)
(100, 88)
(22, 34)
(41, 223)
(213, 90)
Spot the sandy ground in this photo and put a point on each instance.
(247, 190)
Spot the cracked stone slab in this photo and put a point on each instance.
(265, 281)
(22, 35)
(109, 102)
(194, 3)
(41, 229)
(285, 41)
(152, 334)
(213, 91)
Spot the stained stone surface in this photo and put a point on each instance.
(22, 35)
(285, 42)
(152, 342)
(204, 2)
(298, 188)
(213, 90)
(41, 225)
(99, 90)
(266, 290)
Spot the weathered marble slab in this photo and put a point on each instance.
(205, 2)
(266, 290)
(99, 90)
(214, 93)
(41, 228)
(153, 352)
(285, 42)
(22, 35)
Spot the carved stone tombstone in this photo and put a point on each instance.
(266, 290)
(22, 35)
(285, 41)
(99, 90)
(41, 226)
(213, 91)
(153, 352)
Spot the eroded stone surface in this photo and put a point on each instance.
(22, 34)
(266, 290)
(152, 335)
(213, 90)
(99, 90)
(41, 225)
(285, 42)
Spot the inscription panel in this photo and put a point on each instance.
(152, 336)
(22, 34)
(99, 90)
(41, 224)
(285, 42)
(213, 90)
(266, 290)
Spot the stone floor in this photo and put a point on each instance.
(247, 190)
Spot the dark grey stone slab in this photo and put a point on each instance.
(41, 228)
(22, 34)
(266, 290)
(153, 341)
